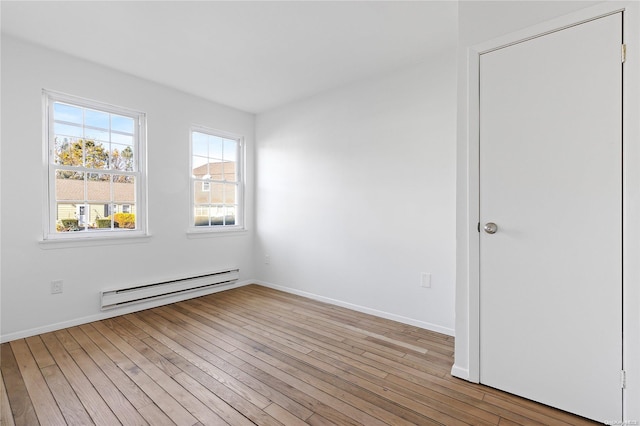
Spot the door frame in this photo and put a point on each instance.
(469, 254)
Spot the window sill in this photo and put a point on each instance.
(59, 243)
(209, 233)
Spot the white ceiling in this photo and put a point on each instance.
(253, 56)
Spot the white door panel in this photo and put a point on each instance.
(550, 178)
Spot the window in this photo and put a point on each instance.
(216, 180)
(95, 169)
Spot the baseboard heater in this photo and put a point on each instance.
(127, 296)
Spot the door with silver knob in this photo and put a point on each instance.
(550, 168)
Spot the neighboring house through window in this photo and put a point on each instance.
(95, 168)
(216, 176)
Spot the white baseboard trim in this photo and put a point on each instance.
(165, 301)
(117, 312)
(459, 372)
(363, 309)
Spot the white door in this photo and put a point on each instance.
(550, 179)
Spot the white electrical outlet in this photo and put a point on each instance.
(267, 259)
(425, 280)
(56, 286)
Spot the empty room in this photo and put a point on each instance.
(320, 212)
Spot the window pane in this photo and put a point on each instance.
(124, 189)
(96, 135)
(122, 157)
(67, 130)
(200, 196)
(230, 150)
(123, 219)
(98, 177)
(201, 217)
(66, 217)
(122, 124)
(103, 222)
(217, 215)
(96, 156)
(230, 171)
(67, 151)
(69, 185)
(200, 167)
(82, 215)
(122, 139)
(216, 169)
(217, 193)
(68, 113)
(200, 144)
(229, 194)
(95, 118)
(94, 214)
(98, 187)
(230, 215)
(215, 147)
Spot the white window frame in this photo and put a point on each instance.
(140, 173)
(240, 175)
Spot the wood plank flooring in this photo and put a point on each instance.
(246, 356)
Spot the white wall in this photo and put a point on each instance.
(27, 266)
(479, 22)
(356, 195)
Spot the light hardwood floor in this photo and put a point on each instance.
(247, 356)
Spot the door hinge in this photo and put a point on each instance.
(623, 379)
(623, 53)
(478, 226)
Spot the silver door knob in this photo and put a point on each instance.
(490, 228)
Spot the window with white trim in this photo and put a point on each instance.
(216, 180)
(95, 169)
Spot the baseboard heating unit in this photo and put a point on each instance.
(127, 296)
